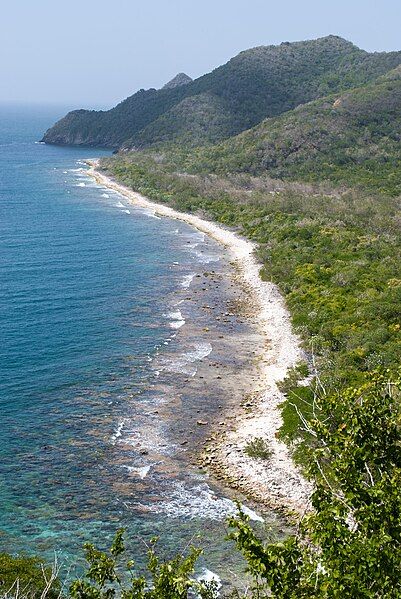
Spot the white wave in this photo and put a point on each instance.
(80, 185)
(65, 172)
(142, 471)
(118, 432)
(148, 212)
(202, 349)
(187, 280)
(198, 501)
(177, 320)
(175, 315)
(197, 236)
(209, 576)
(40, 143)
(252, 514)
(149, 436)
(119, 205)
(126, 211)
(105, 195)
(206, 258)
(185, 363)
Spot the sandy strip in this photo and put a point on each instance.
(275, 482)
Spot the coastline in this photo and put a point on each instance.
(275, 483)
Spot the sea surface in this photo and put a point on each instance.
(90, 350)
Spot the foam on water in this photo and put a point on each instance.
(185, 363)
(206, 258)
(118, 432)
(187, 280)
(209, 576)
(149, 212)
(140, 471)
(177, 319)
(198, 502)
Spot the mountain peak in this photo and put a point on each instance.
(180, 79)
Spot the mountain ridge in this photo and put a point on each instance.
(258, 83)
(348, 138)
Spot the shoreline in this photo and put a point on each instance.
(275, 483)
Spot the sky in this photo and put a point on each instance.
(94, 53)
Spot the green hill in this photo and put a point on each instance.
(351, 138)
(258, 83)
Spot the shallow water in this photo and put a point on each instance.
(93, 360)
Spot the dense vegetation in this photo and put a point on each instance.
(258, 83)
(350, 139)
(28, 577)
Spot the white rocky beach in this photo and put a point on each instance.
(275, 482)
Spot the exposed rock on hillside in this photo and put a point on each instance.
(180, 79)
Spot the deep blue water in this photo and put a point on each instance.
(89, 289)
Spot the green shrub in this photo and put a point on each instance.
(108, 575)
(349, 547)
(26, 577)
(258, 448)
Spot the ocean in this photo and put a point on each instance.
(99, 341)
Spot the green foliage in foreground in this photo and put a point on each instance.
(28, 577)
(107, 577)
(348, 547)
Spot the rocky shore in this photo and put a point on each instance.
(274, 482)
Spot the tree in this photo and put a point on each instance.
(349, 546)
(107, 577)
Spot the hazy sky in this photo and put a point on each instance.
(94, 53)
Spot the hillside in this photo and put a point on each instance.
(351, 138)
(258, 83)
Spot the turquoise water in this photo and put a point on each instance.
(90, 290)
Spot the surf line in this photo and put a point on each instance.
(279, 484)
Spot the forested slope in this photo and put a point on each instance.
(258, 83)
(348, 138)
